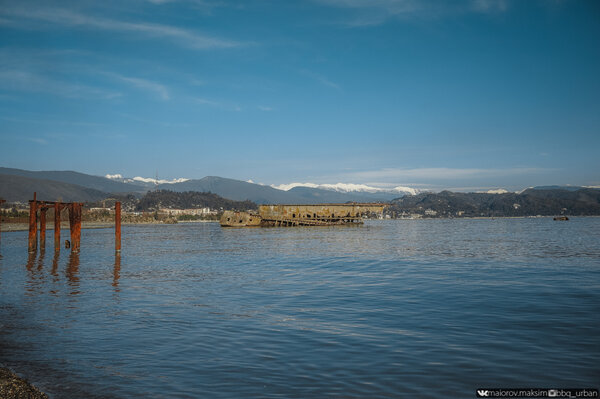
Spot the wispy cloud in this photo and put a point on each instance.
(375, 12)
(443, 173)
(22, 80)
(321, 79)
(37, 140)
(266, 109)
(205, 101)
(67, 18)
(218, 104)
(160, 90)
(33, 120)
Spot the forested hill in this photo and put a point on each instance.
(153, 200)
(531, 202)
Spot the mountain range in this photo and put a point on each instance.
(545, 201)
(19, 185)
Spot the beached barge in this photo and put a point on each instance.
(301, 215)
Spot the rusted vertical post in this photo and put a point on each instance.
(117, 226)
(57, 209)
(73, 218)
(43, 210)
(33, 224)
(75, 222)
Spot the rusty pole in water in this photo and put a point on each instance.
(77, 229)
(43, 210)
(75, 225)
(117, 226)
(57, 209)
(33, 223)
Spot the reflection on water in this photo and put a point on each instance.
(55, 260)
(117, 271)
(389, 309)
(72, 272)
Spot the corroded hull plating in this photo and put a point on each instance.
(240, 219)
(302, 215)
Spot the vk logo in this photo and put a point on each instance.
(482, 393)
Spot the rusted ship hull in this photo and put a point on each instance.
(240, 219)
(301, 215)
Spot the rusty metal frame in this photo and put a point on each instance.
(43, 206)
(75, 213)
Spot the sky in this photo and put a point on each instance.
(464, 95)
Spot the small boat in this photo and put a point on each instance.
(561, 218)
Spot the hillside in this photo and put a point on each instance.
(155, 200)
(15, 188)
(233, 189)
(241, 190)
(228, 188)
(80, 179)
(531, 202)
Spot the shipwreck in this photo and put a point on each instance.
(302, 215)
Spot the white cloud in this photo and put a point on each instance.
(63, 17)
(114, 177)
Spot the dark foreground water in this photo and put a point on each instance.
(388, 309)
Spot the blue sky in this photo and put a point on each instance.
(464, 95)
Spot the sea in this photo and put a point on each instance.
(387, 309)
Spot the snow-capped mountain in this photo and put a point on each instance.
(143, 181)
(350, 188)
(496, 191)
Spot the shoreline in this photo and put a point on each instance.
(14, 387)
(11, 227)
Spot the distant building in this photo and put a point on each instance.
(109, 210)
(430, 212)
(198, 211)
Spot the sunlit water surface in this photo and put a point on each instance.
(419, 308)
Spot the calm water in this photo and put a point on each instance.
(389, 309)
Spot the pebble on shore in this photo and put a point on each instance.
(14, 387)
